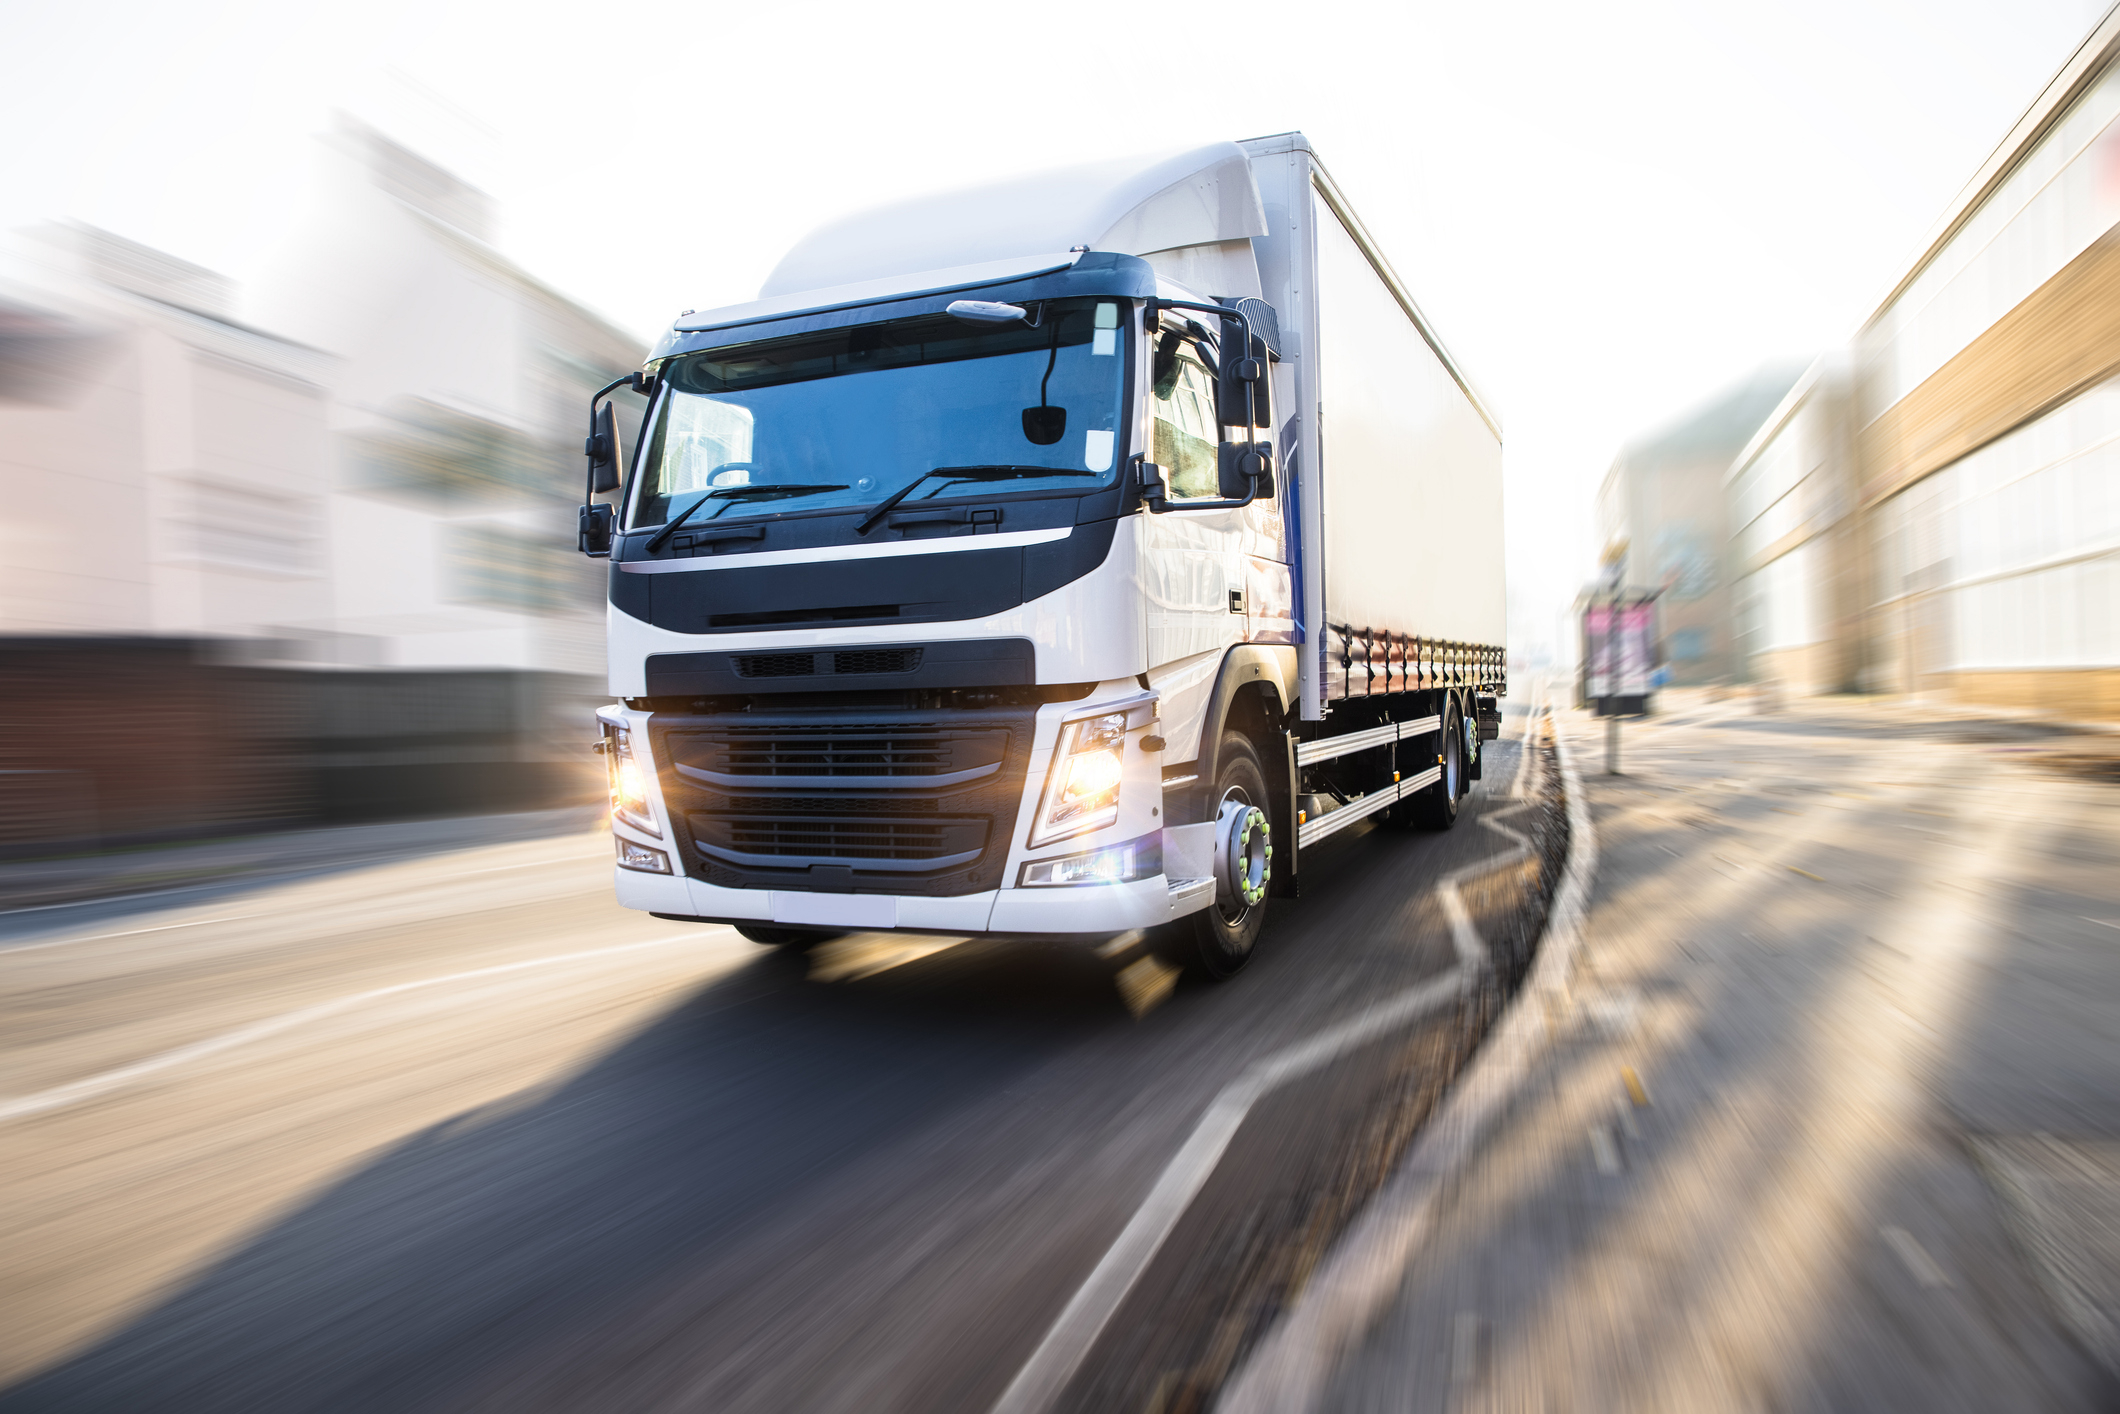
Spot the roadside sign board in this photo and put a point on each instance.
(1619, 651)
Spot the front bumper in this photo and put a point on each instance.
(1089, 911)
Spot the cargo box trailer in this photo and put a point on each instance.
(1060, 558)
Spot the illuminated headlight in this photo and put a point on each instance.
(1120, 864)
(629, 783)
(1082, 787)
(639, 856)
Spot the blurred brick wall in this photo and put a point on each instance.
(121, 741)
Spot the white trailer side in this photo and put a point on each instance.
(1398, 459)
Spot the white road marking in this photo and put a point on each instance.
(237, 880)
(1060, 1354)
(113, 898)
(7, 947)
(60, 1096)
(1918, 1262)
(127, 933)
(1067, 1342)
(1524, 753)
(1465, 1349)
(1289, 1370)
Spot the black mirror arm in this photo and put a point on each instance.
(639, 382)
(1155, 494)
(1220, 311)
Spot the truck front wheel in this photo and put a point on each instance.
(1221, 936)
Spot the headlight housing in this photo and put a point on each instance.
(629, 782)
(1082, 785)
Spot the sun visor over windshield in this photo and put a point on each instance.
(1097, 273)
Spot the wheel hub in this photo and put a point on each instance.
(1244, 854)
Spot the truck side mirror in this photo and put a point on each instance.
(1245, 471)
(602, 450)
(593, 537)
(1245, 393)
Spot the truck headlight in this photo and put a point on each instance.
(1082, 785)
(629, 783)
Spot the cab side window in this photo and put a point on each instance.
(1185, 437)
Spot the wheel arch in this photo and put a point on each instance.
(1254, 693)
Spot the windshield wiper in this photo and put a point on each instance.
(961, 473)
(735, 493)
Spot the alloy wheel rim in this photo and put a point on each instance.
(1247, 842)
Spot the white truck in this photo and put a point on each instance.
(1057, 559)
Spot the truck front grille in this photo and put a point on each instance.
(774, 665)
(873, 842)
(806, 755)
(908, 803)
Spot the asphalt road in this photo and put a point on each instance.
(460, 1133)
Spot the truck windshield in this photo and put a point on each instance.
(867, 409)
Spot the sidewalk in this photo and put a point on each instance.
(205, 865)
(1834, 1120)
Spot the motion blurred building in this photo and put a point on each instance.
(1938, 509)
(1664, 523)
(323, 573)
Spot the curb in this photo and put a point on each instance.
(1291, 1371)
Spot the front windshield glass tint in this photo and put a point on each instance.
(867, 409)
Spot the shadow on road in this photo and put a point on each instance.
(481, 1239)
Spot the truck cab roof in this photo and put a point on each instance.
(1191, 214)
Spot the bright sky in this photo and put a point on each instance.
(1611, 211)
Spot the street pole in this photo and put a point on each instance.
(1612, 746)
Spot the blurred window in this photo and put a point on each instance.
(502, 567)
(438, 454)
(243, 528)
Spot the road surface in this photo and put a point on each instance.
(459, 1133)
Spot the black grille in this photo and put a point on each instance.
(889, 803)
(774, 665)
(907, 804)
(812, 837)
(853, 753)
(877, 660)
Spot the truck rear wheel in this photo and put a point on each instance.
(1218, 940)
(1436, 808)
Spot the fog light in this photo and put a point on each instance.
(639, 856)
(1120, 864)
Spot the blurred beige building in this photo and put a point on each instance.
(1664, 524)
(1938, 510)
(325, 572)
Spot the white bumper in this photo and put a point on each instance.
(1089, 910)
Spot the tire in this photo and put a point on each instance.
(1436, 808)
(793, 938)
(1218, 940)
(1475, 754)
